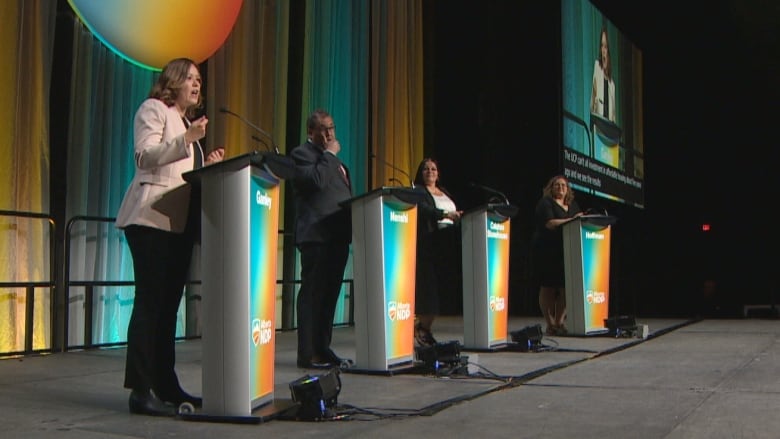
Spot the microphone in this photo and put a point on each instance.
(596, 211)
(491, 191)
(259, 140)
(256, 128)
(390, 165)
(395, 180)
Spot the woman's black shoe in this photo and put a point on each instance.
(144, 402)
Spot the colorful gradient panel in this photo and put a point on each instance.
(498, 277)
(595, 274)
(149, 33)
(264, 226)
(400, 237)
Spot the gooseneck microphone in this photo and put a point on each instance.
(259, 140)
(395, 180)
(391, 166)
(491, 191)
(255, 127)
(596, 211)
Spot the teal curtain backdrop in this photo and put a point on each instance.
(349, 51)
(336, 76)
(335, 72)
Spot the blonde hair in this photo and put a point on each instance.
(547, 190)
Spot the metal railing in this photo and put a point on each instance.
(31, 286)
(89, 287)
(89, 291)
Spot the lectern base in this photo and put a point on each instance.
(268, 412)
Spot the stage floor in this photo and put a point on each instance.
(687, 379)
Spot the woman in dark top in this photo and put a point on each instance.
(437, 217)
(556, 207)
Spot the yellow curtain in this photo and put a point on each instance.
(27, 30)
(248, 76)
(396, 89)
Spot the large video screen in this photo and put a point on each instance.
(603, 149)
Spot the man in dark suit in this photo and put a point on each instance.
(323, 232)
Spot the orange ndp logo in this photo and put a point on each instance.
(398, 310)
(262, 330)
(496, 303)
(595, 297)
(149, 33)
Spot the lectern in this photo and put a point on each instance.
(606, 140)
(239, 232)
(485, 233)
(586, 250)
(384, 245)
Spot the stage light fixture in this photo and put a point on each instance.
(316, 395)
(621, 325)
(440, 356)
(528, 338)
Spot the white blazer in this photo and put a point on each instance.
(158, 196)
(597, 96)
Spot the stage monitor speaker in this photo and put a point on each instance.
(317, 395)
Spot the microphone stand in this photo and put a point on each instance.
(391, 166)
(256, 128)
(395, 180)
(259, 140)
(492, 191)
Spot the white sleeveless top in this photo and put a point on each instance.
(444, 202)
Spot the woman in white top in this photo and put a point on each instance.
(436, 216)
(602, 98)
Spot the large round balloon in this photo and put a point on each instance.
(150, 33)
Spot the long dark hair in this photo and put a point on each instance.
(418, 176)
(608, 68)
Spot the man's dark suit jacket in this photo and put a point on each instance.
(319, 187)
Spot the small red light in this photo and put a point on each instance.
(705, 227)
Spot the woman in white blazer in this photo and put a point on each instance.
(602, 97)
(161, 230)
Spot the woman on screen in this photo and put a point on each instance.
(602, 97)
